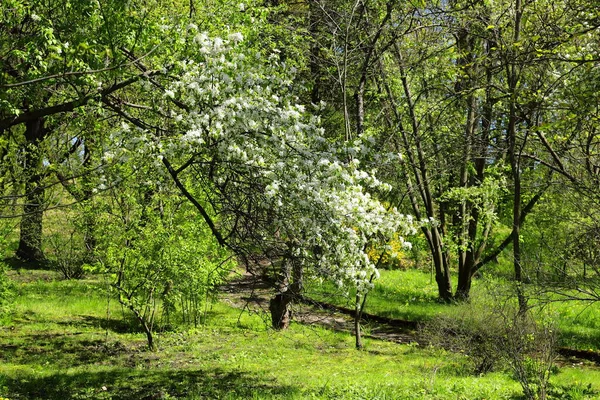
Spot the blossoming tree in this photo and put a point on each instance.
(260, 172)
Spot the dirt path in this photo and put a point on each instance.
(250, 293)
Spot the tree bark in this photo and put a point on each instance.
(280, 304)
(30, 241)
(290, 286)
(513, 78)
(357, 316)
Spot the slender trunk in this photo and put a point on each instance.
(440, 259)
(442, 267)
(480, 163)
(515, 164)
(359, 308)
(357, 317)
(149, 335)
(147, 328)
(125, 301)
(464, 84)
(359, 96)
(89, 217)
(468, 224)
(516, 242)
(418, 168)
(30, 242)
(315, 67)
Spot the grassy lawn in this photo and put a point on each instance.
(62, 341)
(412, 295)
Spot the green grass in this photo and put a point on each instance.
(412, 295)
(402, 294)
(61, 343)
(578, 323)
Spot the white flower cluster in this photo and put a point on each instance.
(262, 148)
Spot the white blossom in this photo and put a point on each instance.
(236, 37)
(241, 114)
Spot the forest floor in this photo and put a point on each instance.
(67, 339)
(250, 293)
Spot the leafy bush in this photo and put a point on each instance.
(575, 391)
(470, 331)
(163, 262)
(500, 335)
(6, 292)
(68, 256)
(392, 255)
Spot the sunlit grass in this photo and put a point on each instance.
(63, 342)
(412, 295)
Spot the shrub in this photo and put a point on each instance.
(392, 255)
(68, 256)
(501, 336)
(470, 331)
(6, 285)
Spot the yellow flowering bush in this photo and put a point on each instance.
(393, 254)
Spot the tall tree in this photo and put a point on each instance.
(57, 57)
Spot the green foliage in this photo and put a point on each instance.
(6, 286)
(574, 391)
(163, 262)
(6, 291)
(431, 73)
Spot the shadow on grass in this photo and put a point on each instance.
(16, 264)
(116, 325)
(59, 350)
(147, 384)
(580, 340)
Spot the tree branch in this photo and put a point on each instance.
(71, 105)
(195, 202)
(526, 210)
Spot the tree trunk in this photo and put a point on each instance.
(316, 71)
(442, 272)
(281, 315)
(148, 332)
(468, 214)
(357, 316)
(474, 252)
(89, 217)
(515, 166)
(290, 286)
(280, 304)
(30, 242)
